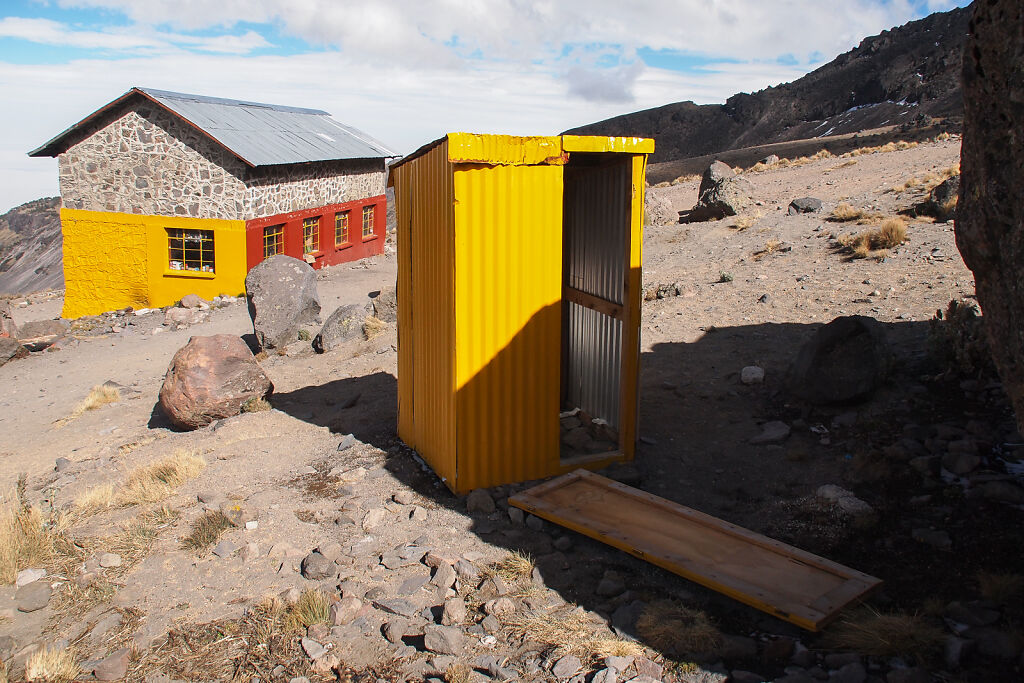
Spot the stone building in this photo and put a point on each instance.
(165, 194)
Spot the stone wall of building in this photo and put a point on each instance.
(147, 161)
(281, 189)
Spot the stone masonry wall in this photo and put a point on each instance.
(146, 161)
(282, 189)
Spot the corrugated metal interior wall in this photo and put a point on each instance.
(598, 201)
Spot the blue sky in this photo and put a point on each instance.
(407, 71)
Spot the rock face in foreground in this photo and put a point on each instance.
(282, 298)
(990, 209)
(844, 361)
(209, 379)
(722, 193)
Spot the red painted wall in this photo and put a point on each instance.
(356, 248)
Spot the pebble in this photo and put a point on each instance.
(418, 514)
(109, 560)
(444, 640)
(499, 607)
(225, 549)
(316, 567)
(534, 522)
(33, 597)
(61, 464)
(620, 664)
(27, 576)
(113, 667)
(752, 374)
(466, 570)
(404, 497)
(516, 516)
(772, 432)
(374, 518)
(312, 648)
(395, 629)
(444, 576)
(454, 612)
(480, 500)
(345, 610)
(566, 667)
(347, 442)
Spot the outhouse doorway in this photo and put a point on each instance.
(596, 304)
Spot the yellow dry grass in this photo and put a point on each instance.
(374, 327)
(28, 538)
(887, 147)
(52, 665)
(845, 212)
(876, 634)
(206, 531)
(255, 404)
(688, 178)
(98, 397)
(570, 631)
(458, 672)
(875, 243)
(760, 167)
(845, 164)
(514, 567)
(745, 221)
(312, 607)
(148, 484)
(678, 631)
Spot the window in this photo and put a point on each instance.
(311, 235)
(273, 240)
(340, 228)
(368, 221)
(190, 250)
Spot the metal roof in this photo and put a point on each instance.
(258, 134)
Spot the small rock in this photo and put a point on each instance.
(936, 538)
(113, 667)
(566, 667)
(312, 648)
(404, 497)
(374, 518)
(611, 584)
(345, 611)
(737, 648)
(752, 374)
(466, 570)
(444, 576)
(61, 464)
(480, 500)
(399, 606)
(395, 629)
(316, 567)
(27, 576)
(235, 513)
(109, 560)
(515, 515)
(225, 549)
(647, 667)
(33, 596)
(772, 432)
(534, 522)
(445, 640)
(620, 664)
(454, 612)
(499, 607)
(804, 205)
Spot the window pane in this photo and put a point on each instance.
(190, 250)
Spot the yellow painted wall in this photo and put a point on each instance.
(114, 260)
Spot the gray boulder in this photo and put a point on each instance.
(209, 379)
(722, 193)
(844, 361)
(11, 349)
(804, 205)
(657, 209)
(345, 324)
(385, 305)
(282, 297)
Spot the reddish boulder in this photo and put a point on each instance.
(210, 378)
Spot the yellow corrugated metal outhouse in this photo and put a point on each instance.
(519, 296)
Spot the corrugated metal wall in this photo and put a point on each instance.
(597, 222)
(508, 321)
(426, 352)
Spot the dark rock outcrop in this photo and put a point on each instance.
(804, 205)
(722, 193)
(209, 379)
(990, 210)
(845, 361)
(282, 299)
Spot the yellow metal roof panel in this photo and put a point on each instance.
(601, 143)
(504, 150)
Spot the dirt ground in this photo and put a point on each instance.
(294, 473)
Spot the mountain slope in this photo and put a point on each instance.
(902, 75)
(31, 247)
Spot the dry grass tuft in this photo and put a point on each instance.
(569, 630)
(100, 396)
(891, 233)
(28, 538)
(514, 567)
(745, 221)
(887, 147)
(148, 484)
(678, 631)
(3, 672)
(845, 164)
(206, 531)
(886, 635)
(256, 404)
(458, 672)
(373, 327)
(1001, 588)
(52, 665)
(844, 213)
(688, 178)
(312, 607)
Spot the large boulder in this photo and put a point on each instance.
(385, 305)
(990, 209)
(845, 361)
(657, 209)
(10, 349)
(345, 324)
(39, 334)
(282, 296)
(722, 193)
(209, 379)
(7, 326)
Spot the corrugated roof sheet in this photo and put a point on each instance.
(259, 134)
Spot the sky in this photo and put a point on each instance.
(408, 71)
